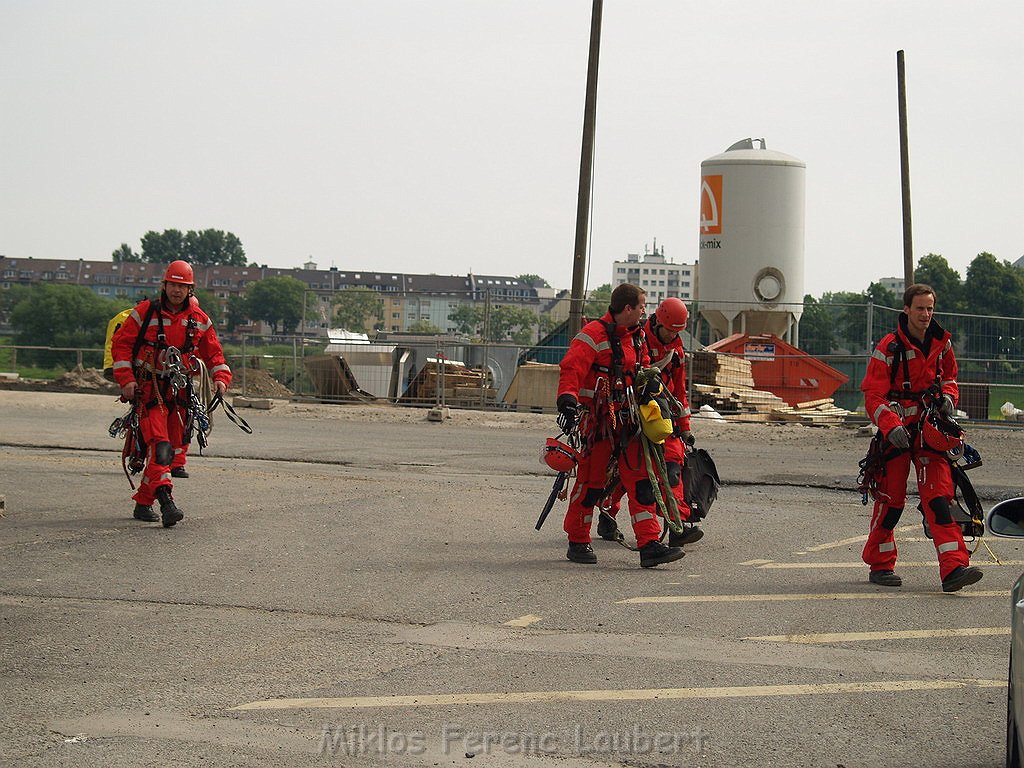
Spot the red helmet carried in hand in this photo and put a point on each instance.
(179, 272)
(672, 314)
(942, 435)
(559, 456)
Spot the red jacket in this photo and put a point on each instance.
(880, 389)
(204, 342)
(674, 374)
(590, 352)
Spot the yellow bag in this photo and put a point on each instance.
(655, 425)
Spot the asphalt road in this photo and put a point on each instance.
(358, 586)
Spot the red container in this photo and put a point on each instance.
(782, 369)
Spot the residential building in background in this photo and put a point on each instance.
(894, 284)
(407, 298)
(658, 277)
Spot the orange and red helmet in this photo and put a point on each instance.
(558, 455)
(942, 435)
(179, 272)
(673, 314)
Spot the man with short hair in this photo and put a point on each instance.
(908, 369)
(597, 375)
(153, 353)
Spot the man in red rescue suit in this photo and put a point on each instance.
(665, 347)
(597, 375)
(902, 369)
(145, 351)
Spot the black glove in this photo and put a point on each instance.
(687, 437)
(946, 406)
(568, 413)
(899, 437)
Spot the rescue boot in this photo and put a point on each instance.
(179, 472)
(960, 577)
(690, 534)
(607, 528)
(885, 579)
(144, 513)
(169, 512)
(581, 553)
(655, 553)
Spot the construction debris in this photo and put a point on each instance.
(451, 383)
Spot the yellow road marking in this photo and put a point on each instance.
(901, 564)
(903, 634)
(854, 540)
(803, 596)
(640, 694)
(756, 562)
(523, 621)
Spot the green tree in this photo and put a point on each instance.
(356, 309)
(125, 254)
(277, 301)
(238, 312)
(467, 319)
(934, 270)
(207, 247)
(425, 328)
(209, 302)
(534, 281)
(993, 287)
(877, 293)
(597, 302)
(816, 335)
(62, 316)
(509, 322)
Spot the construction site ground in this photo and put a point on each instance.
(358, 585)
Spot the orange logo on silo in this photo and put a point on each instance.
(711, 205)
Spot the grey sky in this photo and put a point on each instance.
(444, 136)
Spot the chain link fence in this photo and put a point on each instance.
(425, 371)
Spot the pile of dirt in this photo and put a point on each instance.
(258, 383)
(84, 379)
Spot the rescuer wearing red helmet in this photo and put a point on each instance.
(154, 355)
(661, 334)
(597, 373)
(907, 369)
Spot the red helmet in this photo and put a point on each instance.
(672, 314)
(942, 435)
(559, 456)
(179, 272)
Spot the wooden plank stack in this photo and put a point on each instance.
(725, 382)
(463, 386)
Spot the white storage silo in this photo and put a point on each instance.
(751, 275)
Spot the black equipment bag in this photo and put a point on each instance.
(700, 482)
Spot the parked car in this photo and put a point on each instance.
(1006, 519)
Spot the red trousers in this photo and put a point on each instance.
(591, 478)
(675, 453)
(934, 482)
(162, 429)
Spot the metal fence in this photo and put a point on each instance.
(456, 372)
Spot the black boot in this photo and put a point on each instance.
(960, 577)
(179, 472)
(690, 534)
(169, 512)
(607, 528)
(655, 553)
(581, 553)
(144, 513)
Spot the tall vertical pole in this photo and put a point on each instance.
(579, 263)
(908, 238)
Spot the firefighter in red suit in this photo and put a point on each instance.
(141, 370)
(665, 348)
(903, 367)
(596, 378)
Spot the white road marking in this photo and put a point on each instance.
(641, 694)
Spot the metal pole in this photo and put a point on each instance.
(579, 264)
(908, 239)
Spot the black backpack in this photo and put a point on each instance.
(700, 482)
